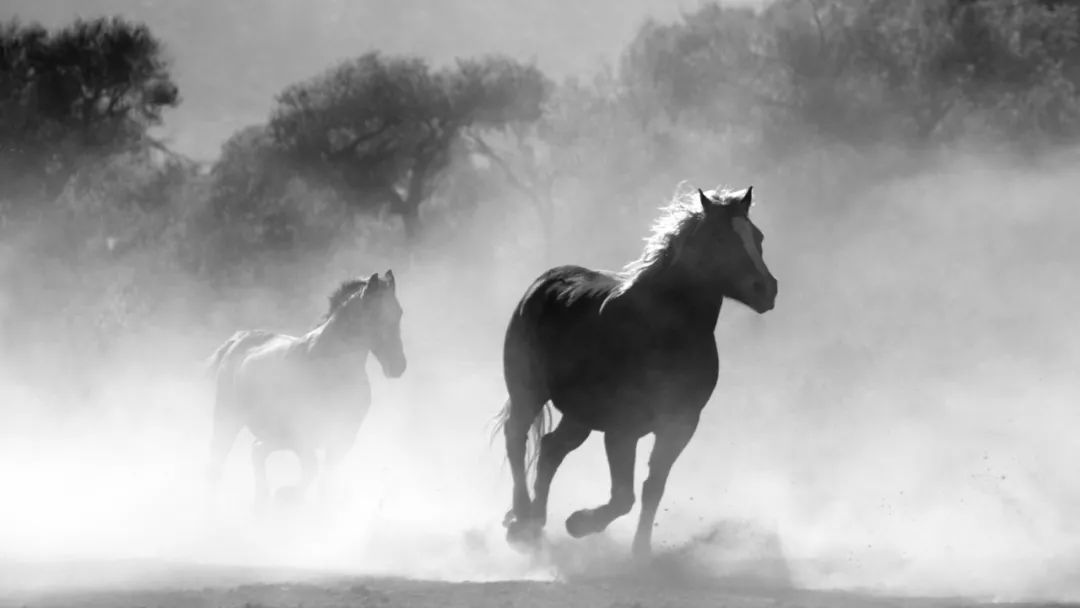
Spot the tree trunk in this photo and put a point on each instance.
(409, 206)
(410, 218)
(545, 210)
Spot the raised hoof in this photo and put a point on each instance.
(580, 523)
(524, 535)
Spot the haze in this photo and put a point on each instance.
(903, 421)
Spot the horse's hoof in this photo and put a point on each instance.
(580, 523)
(524, 535)
(527, 546)
(641, 554)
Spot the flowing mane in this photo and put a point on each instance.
(342, 294)
(677, 221)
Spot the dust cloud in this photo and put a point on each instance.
(902, 422)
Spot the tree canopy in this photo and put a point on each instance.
(90, 89)
(861, 71)
(382, 141)
(379, 130)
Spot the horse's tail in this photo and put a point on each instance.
(541, 425)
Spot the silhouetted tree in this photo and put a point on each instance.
(87, 90)
(864, 71)
(704, 69)
(380, 129)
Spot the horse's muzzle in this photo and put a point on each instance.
(394, 370)
(763, 294)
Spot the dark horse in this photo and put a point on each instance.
(627, 354)
(309, 392)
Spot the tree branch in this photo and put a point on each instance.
(820, 27)
(485, 149)
(542, 204)
(351, 147)
(114, 100)
(173, 154)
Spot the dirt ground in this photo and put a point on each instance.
(176, 586)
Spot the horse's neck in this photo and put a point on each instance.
(694, 299)
(329, 341)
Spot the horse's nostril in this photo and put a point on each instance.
(760, 288)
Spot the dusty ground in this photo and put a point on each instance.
(173, 586)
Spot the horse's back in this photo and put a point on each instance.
(563, 303)
(566, 290)
(556, 331)
(607, 360)
(227, 358)
(269, 357)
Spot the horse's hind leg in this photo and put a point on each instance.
(621, 452)
(259, 455)
(226, 426)
(554, 447)
(309, 468)
(522, 410)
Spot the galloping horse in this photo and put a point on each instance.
(628, 354)
(309, 392)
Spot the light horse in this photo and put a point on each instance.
(306, 393)
(628, 354)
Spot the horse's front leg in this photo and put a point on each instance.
(671, 439)
(309, 469)
(621, 452)
(226, 426)
(259, 455)
(331, 490)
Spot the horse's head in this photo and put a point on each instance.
(729, 249)
(378, 313)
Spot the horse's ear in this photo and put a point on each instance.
(389, 277)
(746, 200)
(373, 280)
(706, 203)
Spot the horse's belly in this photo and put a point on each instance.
(288, 424)
(632, 400)
(293, 404)
(300, 427)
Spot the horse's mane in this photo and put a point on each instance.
(677, 221)
(343, 292)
